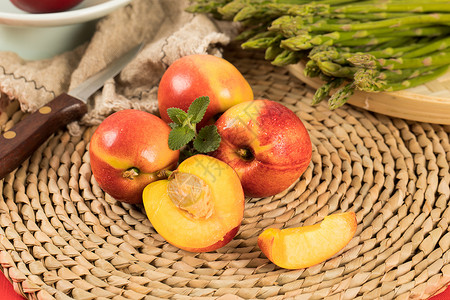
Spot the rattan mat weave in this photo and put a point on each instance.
(62, 237)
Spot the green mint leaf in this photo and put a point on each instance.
(207, 140)
(177, 115)
(180, 136)
(197, 109)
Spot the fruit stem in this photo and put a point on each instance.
(131, 173)
(245, 153)
(163, 174)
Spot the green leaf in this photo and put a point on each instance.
(207, 140)
(177, 115)
(180, 136)
(197, 109)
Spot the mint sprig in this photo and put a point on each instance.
(184, 129)
(207, 140)
(197, 109)
(177, 115)
(180, 136)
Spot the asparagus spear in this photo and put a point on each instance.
(370, 41)
(394, 7)
(436, 18)
(371, 80)
(336, 70)
(272, 52)
(341, 96)
(369, 61)
(308, 40)
(262, 40)
(324, 91)
(287, 57)
(261, 12)
(413, 82)
(437, 45)
(340, 55)
(207, 6)
(371, 16)
(314, 23)
(312, 69)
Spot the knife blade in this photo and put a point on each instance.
(25, 137)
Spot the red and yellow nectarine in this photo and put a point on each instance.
(199, 75)
(306, 246)
(266, 144)
(200, 207)
(128, 150)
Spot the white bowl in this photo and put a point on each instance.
(39, 36)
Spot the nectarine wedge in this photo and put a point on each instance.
(200, 207)
(303, 247)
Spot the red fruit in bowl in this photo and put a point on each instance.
(45, 6)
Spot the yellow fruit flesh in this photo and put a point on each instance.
(180, 226)
(177, 225)
(302, 247)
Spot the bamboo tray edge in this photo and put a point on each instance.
(411, 104)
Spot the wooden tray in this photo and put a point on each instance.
(425, 103)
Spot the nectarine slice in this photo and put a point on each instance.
(200, 207)
(303, 247)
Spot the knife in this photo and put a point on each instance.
(19, 142)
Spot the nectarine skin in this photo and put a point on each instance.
(127, 141)
(266, 144)
(182, 229)
(303, 247)
(199, 75)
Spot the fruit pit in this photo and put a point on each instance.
(191, 194)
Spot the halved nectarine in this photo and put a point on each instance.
(200, 207)
(303, 247)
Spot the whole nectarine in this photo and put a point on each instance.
(128, 150)
(266, 144)
(199, 75)
(200, 207)
(306, 246)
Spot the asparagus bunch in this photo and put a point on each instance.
(371, 45)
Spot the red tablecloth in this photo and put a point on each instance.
(7, 292)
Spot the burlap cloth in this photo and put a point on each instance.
(62, 237)
(165, 29)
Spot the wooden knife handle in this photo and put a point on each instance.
(19, 142)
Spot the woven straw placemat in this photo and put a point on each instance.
(62, 237)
